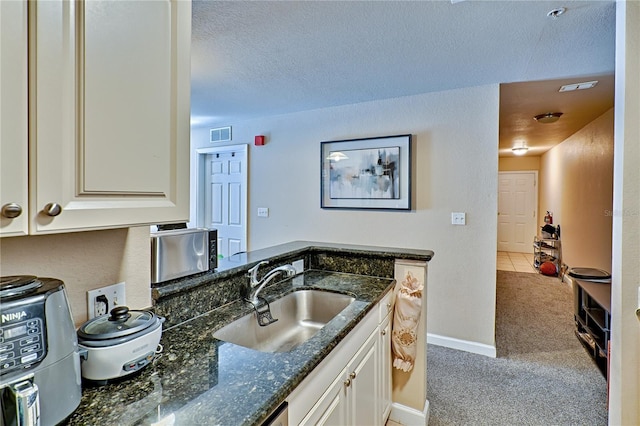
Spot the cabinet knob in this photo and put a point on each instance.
(383, 332)
(352, 375)
(389, 306)
(52, 209)
(11, 210)
(347, 383)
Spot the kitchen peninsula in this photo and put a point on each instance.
(198, 379)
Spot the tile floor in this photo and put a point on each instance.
(516, 262)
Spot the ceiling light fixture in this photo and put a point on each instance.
(548, 117)
(556, 12)
(519, 150)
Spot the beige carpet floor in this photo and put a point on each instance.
(542, 375)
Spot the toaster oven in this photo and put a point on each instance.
(179, 253)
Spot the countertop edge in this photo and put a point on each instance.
(283, 251)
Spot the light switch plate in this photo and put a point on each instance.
(458, 218)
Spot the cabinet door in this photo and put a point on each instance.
(384, 368)
(363, 393)
(109, 110)
(13, 119)
(330, 409)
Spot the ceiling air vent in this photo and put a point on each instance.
(578, 86)
(221, 134)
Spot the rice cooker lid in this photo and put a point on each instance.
(119, 322)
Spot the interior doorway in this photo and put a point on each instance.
(222, 195)
(517, 211)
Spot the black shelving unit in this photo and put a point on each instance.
(592, 312)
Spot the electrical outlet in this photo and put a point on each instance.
(263, 212)
(458, 218)
(299, 265)
(101, 300)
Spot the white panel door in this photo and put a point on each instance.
(109, 113)
(517, 205)
(13, 119)
(331, 408)
(364, 375)
(225, 198)
(385, 367)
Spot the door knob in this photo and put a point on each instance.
(11, 210)
(52, 209)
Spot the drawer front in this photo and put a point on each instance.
(386, 305)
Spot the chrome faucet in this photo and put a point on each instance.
(255, 285)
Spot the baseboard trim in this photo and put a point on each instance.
(409, 416)
(462, 345)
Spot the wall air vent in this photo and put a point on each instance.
(221, 134)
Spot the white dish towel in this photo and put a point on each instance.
(406, 318)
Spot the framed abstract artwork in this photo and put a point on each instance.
(372, 173)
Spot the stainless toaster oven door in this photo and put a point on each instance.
(179, 253)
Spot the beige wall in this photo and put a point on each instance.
(516, 164)
(455, 170)
(624, 406)
(84, 261)
(576, 184)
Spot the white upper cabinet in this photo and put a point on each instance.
(14, 218)
(109, 86)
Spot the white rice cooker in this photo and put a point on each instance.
(119, 343)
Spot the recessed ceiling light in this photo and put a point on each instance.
(556, 12)
(578, 86)
(547, 117)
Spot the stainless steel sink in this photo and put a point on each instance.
(300, 315)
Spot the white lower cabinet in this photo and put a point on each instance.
(331, 408)
(384, 349)
(362, 384)
(352, 385)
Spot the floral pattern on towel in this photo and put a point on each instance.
(406, 318)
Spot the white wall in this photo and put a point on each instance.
(455, 170)
(576, 184)
(84, 261)
(624, 408)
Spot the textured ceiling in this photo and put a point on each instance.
(259, 58)
(520, 102)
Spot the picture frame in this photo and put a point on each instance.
(370, 174)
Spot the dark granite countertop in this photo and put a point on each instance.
(201, 380)
(231, 265)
